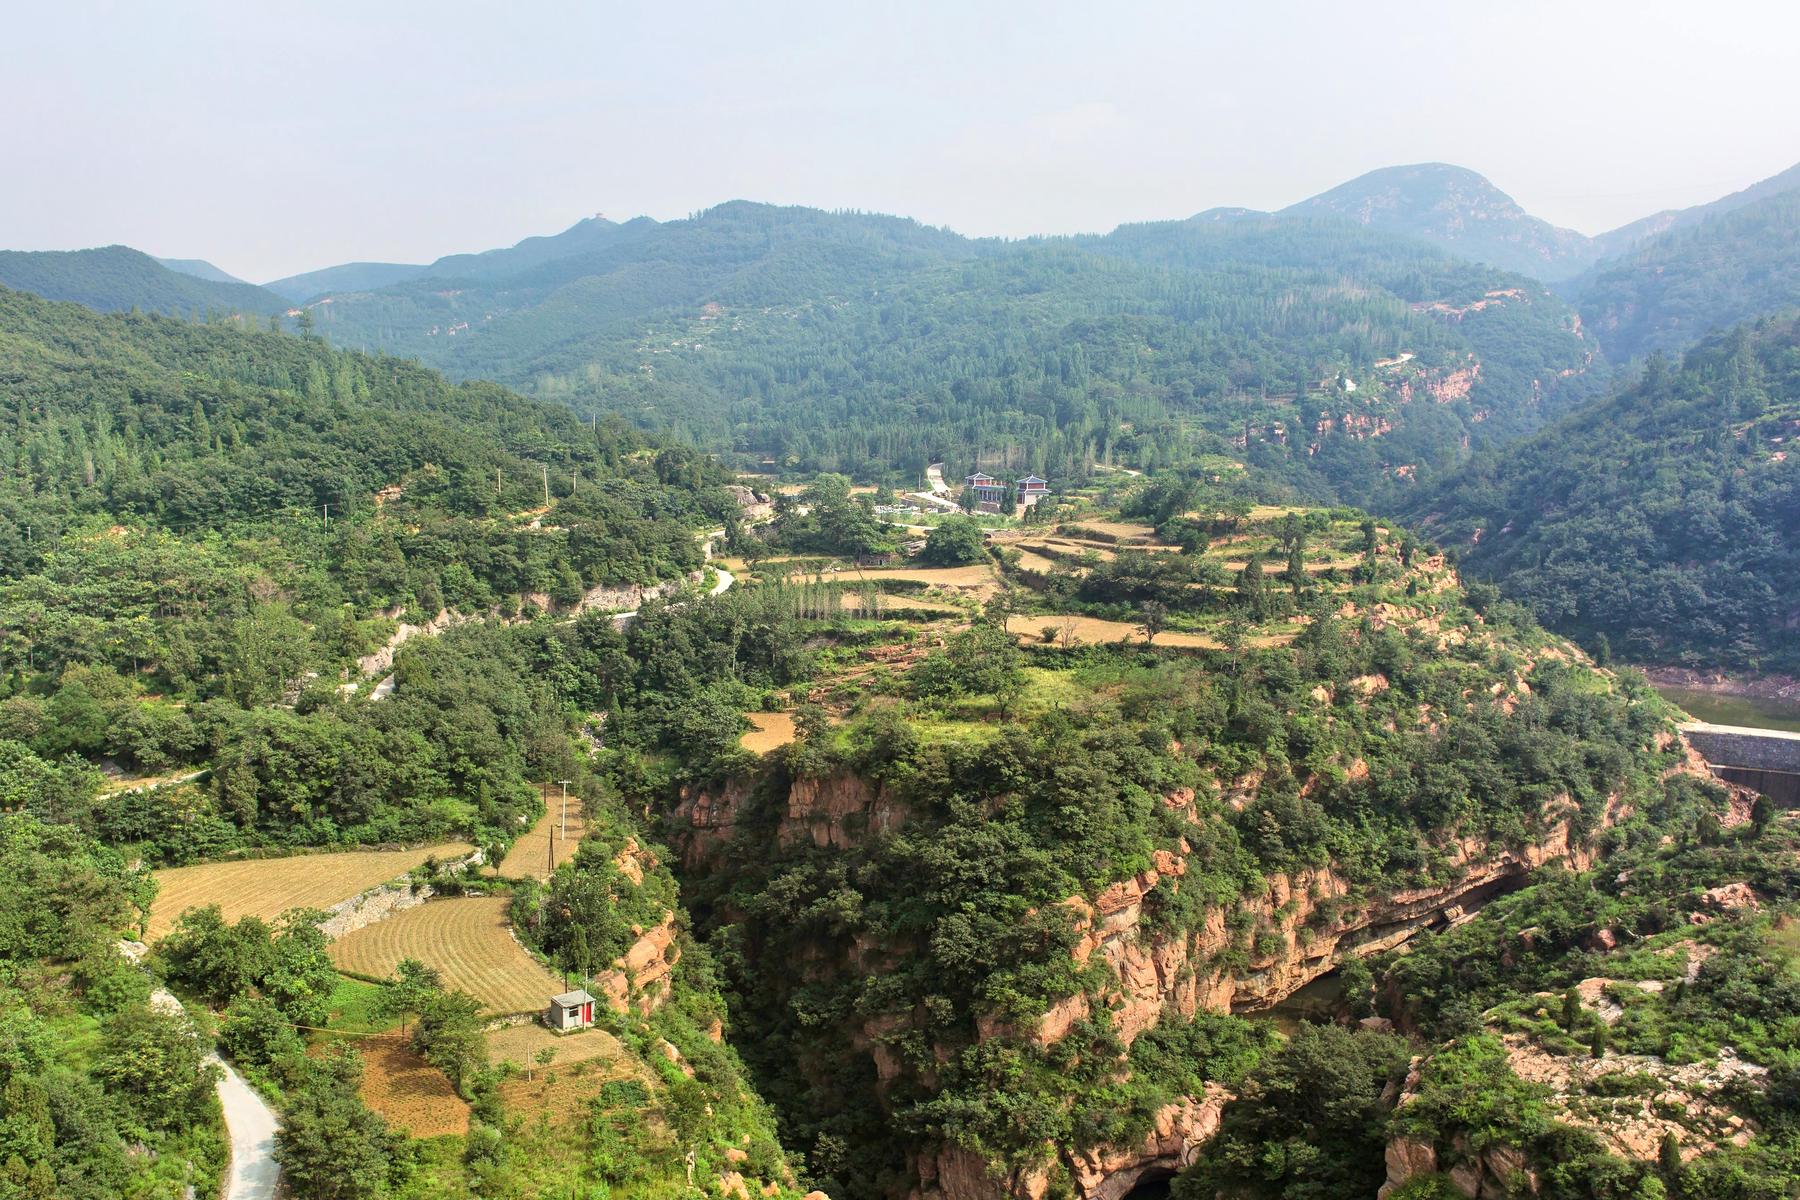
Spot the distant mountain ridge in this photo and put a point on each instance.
(1460, 211)
(199, 268)
(1660, 518)
(345, 277)
(1733, 265)
(1622, 239)
(118, 278)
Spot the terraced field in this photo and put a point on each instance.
(855, 603)
(547, 846)
(1094, 630)
(467, 940)
(268, 887)
(977, 580)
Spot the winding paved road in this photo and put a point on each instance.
(938, 494)
(250, 1124)
(255, 1175)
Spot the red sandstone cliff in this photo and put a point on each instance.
(1317, 921)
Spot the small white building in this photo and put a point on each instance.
(571, 1010)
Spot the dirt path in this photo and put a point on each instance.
(254, 1173)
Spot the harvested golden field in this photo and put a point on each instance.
(853, 603)
(411, 1093)
(1094, 630)
(976, 579)
(1036, 562)
(467, 940)
(1124, 530)
(1278, 566)
(521, 1043)
(773, 731)
(530, 856)
(268, 887)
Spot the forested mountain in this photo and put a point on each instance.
(815, 340)
(1662, 519)
(199, 268)
(213, 538)
(118, 278)
(227, 517)
(1460, 211)
(1675, 288)
(347, 277)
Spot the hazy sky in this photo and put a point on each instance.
(275, 138)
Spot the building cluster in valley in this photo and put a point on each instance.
(989, 493)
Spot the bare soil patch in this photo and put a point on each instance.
(773, 731)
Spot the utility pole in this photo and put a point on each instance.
(546, 486)
(565, 810)
(328, 516)
(574, 472)
(496, 483)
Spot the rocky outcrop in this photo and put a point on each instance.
(706, 819)
(838, 812)
(1242, 956)
(1303, 924)
(639, 978)
(752, 505)
(629, 597)
(1176, 1136)
(382, 660)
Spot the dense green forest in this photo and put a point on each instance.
(871, 345)
(204, 527)
(118, 279)
(1675, 289)
(1659, 522)
(102, 1094)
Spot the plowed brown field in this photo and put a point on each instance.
(411, 1093)
(773, 730)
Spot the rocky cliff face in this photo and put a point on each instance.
(1180, 1130)
(1316, 922)
(1308, 922)
(639, 979)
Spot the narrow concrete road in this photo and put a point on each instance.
(249, 1123)
(934, 479)
(254, 1173)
